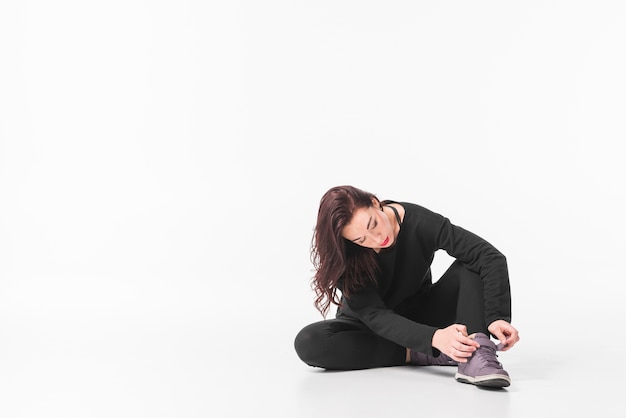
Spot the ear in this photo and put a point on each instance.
(376, 203)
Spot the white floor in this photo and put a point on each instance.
(173, 357)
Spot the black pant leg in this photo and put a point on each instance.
(457, 297)
(346, 344)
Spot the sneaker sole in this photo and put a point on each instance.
(490, 380)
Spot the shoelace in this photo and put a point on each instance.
(487, 356)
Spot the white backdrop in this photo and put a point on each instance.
(161, 165)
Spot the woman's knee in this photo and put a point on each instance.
(306, 343)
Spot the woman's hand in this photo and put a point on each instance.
(505, 333)
(454, 342)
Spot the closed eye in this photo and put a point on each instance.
(370, 226)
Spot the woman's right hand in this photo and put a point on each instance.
(454, 342)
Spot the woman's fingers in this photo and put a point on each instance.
(464, 347)
(509, 342)
(460, 355)
(461, 329)
(469, 342)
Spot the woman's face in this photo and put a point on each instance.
(370, 228)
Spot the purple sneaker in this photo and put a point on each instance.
(421, 359)
(483, 368)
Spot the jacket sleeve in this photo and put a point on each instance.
(483, 258)
(370, 309)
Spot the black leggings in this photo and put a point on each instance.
(345, 343)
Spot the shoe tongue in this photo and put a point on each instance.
(486, 342)
(483, 339)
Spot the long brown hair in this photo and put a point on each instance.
(340, 265)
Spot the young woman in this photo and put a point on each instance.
(372, 259)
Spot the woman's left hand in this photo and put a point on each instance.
(505, 333)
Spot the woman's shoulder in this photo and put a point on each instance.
(415, 212)
(411, 207)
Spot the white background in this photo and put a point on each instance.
(161, 163)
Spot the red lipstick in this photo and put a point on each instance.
(385, 242)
